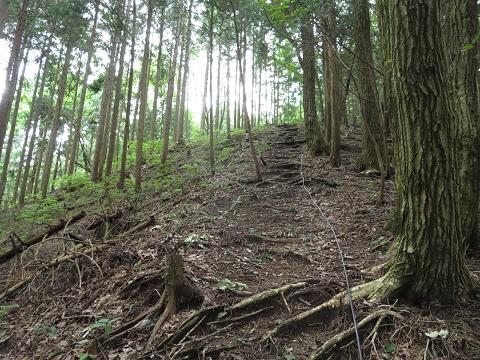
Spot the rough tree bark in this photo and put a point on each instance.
(158, 80)
(316, 143)
(430, 253)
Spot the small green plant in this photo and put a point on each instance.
(193, 240)
(104, 324)
(227, 284)
(45, 329)
(6, 309)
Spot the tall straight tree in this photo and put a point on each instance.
(12, 72)
(210, 87)
(126, 130)
(143, 101)
(316, 143)
(158, 79)
(52, 141)
(186, 69)
(83, 94)
(373, 139)
(124, 19)
(171, 79)
(13, 125)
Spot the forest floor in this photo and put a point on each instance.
(237, 238)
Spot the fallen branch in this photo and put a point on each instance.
(337, 339)
(39, 238)
(78, 251)
(108, 218)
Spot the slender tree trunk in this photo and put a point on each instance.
(429, 263)
(178, 96)
(143, 101)
(13, 125)
(203, 125)
(56, 124)
(118, 97)
(36, 110)
(245, 112)
(316, 144)
(171, 80)
(217, 101)
(69, 148)
(81, 105)
(158, 80)
(126, 130)
(12, 73)
(210, 82)
(181, 124)
(228, 94)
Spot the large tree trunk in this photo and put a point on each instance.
(335, 87)
(315, 142)
(12, 73)
(171, 79)
(462, 23)
(81, 105)
(52, 142)
(367, 90)
(430, 252)
(143, 101)
(104, 114)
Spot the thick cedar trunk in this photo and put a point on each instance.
(143, 101)
(430, 253)
(52, 142)
(368, 95)
(315, 142)
(81, 105)
(12, 73)
(158, 80)
(171, 79)
(181, 120)
(126, 130)
(116, 113)
(462, 22)
(103, 115)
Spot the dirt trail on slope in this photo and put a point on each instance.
(237, 238)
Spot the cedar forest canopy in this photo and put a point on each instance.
(185, 177)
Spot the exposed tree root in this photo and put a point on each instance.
(375, 290)
(337, 339)
(176, 291)
(197, 317)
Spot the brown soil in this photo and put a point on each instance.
(213, 229)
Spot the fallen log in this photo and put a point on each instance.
(39, 238)
(108, 218)
(77, 252)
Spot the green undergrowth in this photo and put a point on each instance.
(186, 168)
